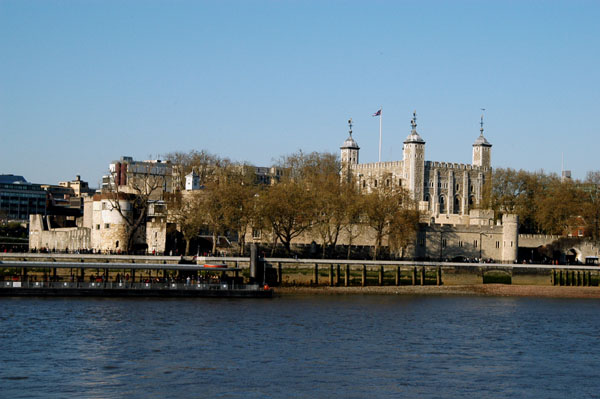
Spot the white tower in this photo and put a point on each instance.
(482, 150)
(414, 161)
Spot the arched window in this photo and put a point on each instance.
(456, 204)
(442, 204)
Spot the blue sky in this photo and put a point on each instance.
(84, 82)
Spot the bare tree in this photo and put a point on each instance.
(132, 200)
(184, 210)
(201, 162)
(591, 206)
(390, 215)
(353, 223)
(288, 208)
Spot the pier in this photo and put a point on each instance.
(68, 276)
(160, 270)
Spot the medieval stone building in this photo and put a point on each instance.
(443, 190)
(448, 196)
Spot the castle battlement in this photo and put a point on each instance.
(451, 165)
(378, 165)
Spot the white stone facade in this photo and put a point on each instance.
(442, 190)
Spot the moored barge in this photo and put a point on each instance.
(127, 280)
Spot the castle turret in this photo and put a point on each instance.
(414, 161)
(349, 153)
(482, 150)
(510, 244)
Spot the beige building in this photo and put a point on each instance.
(135, 177)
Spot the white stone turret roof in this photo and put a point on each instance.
(414, 137)
(350, 143)
(482, 141)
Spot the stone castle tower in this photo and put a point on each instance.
(482, 150)
(414, 161)
(440, 189)
(510, 242)
(349, 153)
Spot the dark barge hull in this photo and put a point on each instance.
(140, 293)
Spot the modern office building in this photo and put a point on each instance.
(19, 198)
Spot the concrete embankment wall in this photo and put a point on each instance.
(302, 272)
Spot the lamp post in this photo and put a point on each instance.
(481, 234)
(441, 244)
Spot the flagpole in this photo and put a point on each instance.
(380, 114)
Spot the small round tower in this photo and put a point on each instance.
(510, 238)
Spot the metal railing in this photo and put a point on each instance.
(130, 286)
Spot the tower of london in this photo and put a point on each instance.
(444, 191)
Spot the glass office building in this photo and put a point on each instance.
(19, 198)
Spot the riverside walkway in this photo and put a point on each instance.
(314, 272)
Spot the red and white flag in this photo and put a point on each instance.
(377, 113)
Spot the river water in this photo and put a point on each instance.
(300, 347)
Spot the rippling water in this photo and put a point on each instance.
(299, 347)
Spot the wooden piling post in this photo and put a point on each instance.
(331, 275)
(553, 277)
(589, 273)
(380, 275)
(364, 275)
(414, 276)
(438, 275)
(316, 274)
(579, 283)
(337, 275)
(279, 273)
(423, 275)
(397, 275)
(347, 276)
